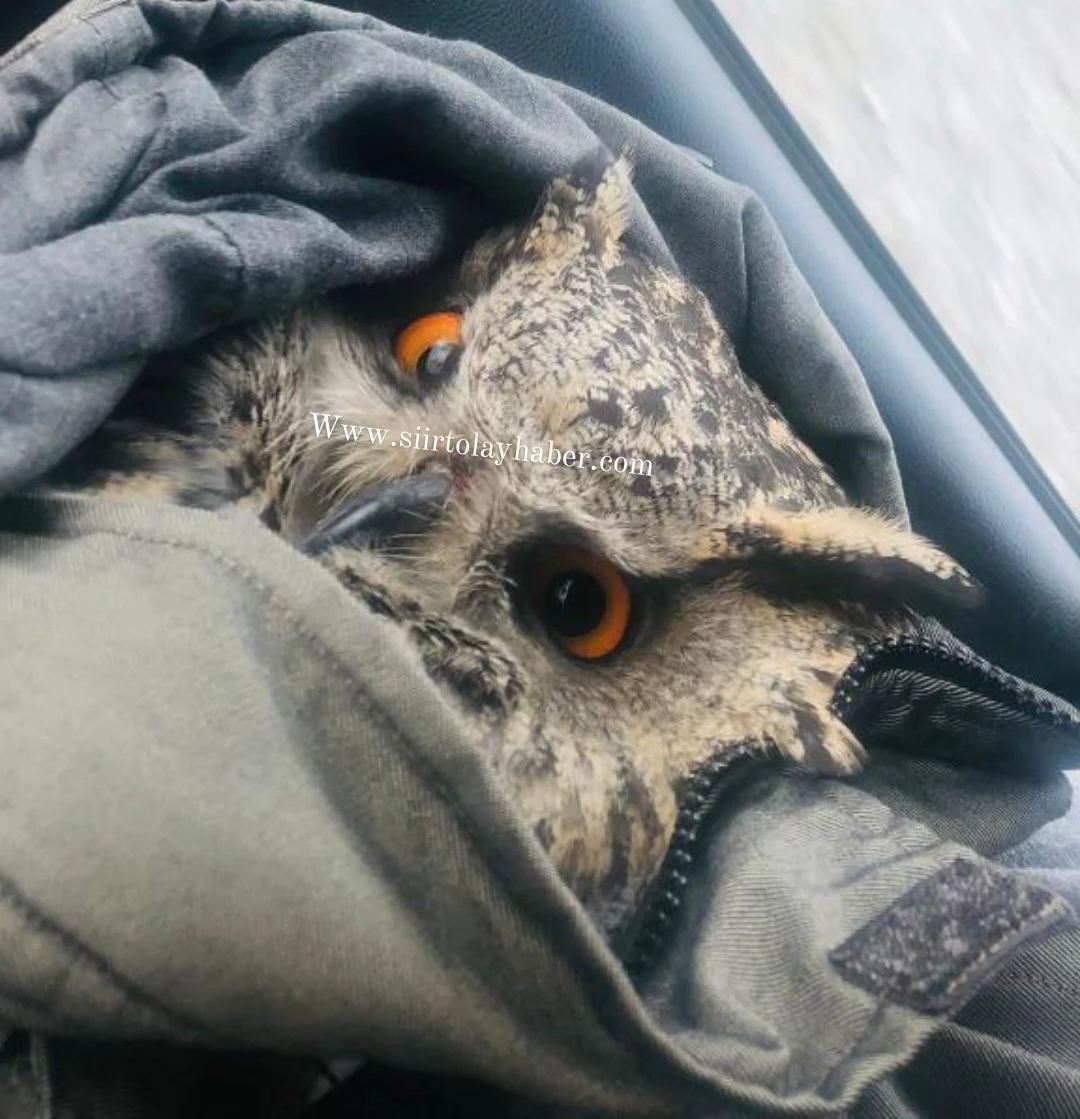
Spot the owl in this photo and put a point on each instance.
(604, 632)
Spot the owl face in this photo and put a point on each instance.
(606, 631)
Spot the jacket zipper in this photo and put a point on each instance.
(708, 783)
(968, 669)
(704, 789)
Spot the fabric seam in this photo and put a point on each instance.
(240, 264)
(75, 949)
(33, 40)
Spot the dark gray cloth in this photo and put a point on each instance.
(166, 167)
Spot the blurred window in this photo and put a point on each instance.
(955, 127)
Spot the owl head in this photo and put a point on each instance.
(688, 578)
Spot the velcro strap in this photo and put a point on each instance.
(933, 946)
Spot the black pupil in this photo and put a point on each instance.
(574, 603)
(437, 362)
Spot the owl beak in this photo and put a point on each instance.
(402, 507)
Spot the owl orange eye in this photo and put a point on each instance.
(583, 600)
(428, 348)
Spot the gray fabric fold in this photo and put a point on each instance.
(166, 167)
(236, 813)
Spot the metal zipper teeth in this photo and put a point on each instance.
(703, 791)
(1027, 699)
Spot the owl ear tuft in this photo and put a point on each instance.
(844, 552)
(585, 211)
